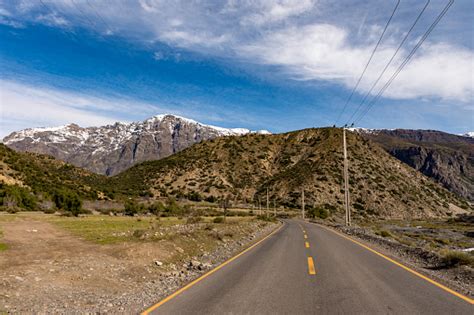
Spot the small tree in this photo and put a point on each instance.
(74, 204)
(68, 201)
(131, 208)
(156, 208)
(225, 204)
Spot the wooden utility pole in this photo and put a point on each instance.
(259, 206)
(302, 204)
(346, 180)
(268, 203)
(274, 208)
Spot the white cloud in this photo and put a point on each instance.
(24, 105)
(323, 52)
(306, 39)
(274, 11)
(158, 55)
(52, 19)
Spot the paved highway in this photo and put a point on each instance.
(307, 269)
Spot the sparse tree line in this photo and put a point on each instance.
(15, 198)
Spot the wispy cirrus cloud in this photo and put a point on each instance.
(305, 39)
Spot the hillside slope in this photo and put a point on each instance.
(243, 168)
(447, 158)
(43, 174)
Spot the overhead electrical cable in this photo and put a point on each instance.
(368, 62)
(404, 63)
(389, 62)
(48, 8)
(99, 15)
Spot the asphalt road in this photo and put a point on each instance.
(276, 277)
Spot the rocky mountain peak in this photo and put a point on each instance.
(113, 148)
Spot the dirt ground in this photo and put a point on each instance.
(48, 270)
(44, 264)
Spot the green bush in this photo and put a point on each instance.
(132, 207)
(218, 220)
(454, 258)
(384, 233)
(12, 196)
(194, 196)
(156, 208)
(211, 199)
(68, 201)
(318, 212)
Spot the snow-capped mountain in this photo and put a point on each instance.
(469, 134)
(113, 148)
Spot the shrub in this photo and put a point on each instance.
(211, 199)
(385, 233)
(173, 209)
(454, 258)
(194, 196)
(68, 201)
(318, 212)
(132, 208)
(266, 218)
(12, 196)
(156, 207)
(218, 220)
(193, 220)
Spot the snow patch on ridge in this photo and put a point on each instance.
(112, 137)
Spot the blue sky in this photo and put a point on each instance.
(276, 65)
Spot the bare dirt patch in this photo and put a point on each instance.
(50, 270)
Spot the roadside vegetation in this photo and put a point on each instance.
(452, 239)
(3, 246)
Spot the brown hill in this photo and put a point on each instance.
(243, 168)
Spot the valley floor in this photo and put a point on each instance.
(107, 264)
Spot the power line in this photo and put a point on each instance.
(99, 15)
(368, 62)
(83, 13)
(389, 62)
(47, 8)
(407, 59)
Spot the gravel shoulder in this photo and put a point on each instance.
(49, 269)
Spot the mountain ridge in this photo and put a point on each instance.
(113, 148)
(447, 158)
(241, 169)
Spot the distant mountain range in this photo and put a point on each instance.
(111, 149)
(243, 168)
(114, 148)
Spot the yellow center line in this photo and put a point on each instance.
(154, 307)
(305, 236)
(306, 244)
(311, 269)
(439, 285)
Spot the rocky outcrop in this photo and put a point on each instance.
(447, 158)
(114, 148)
